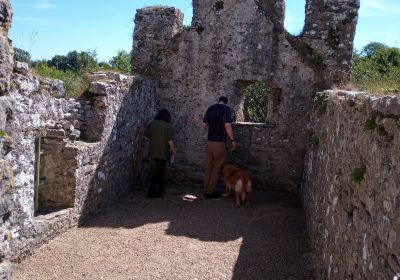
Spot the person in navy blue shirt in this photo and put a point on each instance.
(218, 120)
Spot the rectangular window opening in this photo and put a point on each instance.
(256, 102)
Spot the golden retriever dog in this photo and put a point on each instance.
(238, 181)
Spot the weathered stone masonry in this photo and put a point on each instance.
(6, 50)
(351, 188)
(77, 178)
(91, 147)
(234, 43)
(72, 148)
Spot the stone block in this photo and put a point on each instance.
(21, 67)
(99, 88)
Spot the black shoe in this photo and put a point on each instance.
(214, 195)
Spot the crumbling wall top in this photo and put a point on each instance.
(6, 50)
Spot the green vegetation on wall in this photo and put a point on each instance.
(358, 173)
(256, 103)
(376, 69)
(70, 68)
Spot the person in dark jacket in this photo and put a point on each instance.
(219, 123)
(161, 134)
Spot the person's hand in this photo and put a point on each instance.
(234, 145)
(173, 151)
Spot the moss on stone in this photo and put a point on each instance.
(5, 136)
(314, 141)
(321, 102)
(370, 123)
(358, 174)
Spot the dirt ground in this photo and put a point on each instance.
(168, 238)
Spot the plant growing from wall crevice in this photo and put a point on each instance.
(358, 173)
(321, 102)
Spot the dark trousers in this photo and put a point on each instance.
(157, 180)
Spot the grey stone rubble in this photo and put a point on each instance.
(338, 150)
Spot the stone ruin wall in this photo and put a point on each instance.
(78, 176)
(351, 188)
(6, 50)
(229, 45)
(84, 142)
(353, 227)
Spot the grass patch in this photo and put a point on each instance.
(358, 174)
(5, 136)
(75, 85)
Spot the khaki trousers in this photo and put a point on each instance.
(215, 158)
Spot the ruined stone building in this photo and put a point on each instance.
(338, 150)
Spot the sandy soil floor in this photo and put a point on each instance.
(168, 238)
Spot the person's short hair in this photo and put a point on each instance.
(223, 99)
(163, 115)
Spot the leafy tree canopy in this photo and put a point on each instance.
(121, 62)
(22, 55)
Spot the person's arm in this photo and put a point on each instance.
(228, 128)
(172, 147)
(229, 131)
(205, 120)
(170, 140)
(147, 132)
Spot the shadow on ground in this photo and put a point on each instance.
(274, 239)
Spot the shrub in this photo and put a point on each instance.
(22, 55)
(75, 84)
(376, 69)
(256, 102)
(121, 62)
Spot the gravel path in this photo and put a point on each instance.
(170, 238)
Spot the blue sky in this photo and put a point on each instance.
(49, 27)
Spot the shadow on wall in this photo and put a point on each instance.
(117, 159)
(274, 242)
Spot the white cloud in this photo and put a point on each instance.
(44, 5)
(37, 21)
(376, 7)
(36, 4)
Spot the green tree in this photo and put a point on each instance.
(376, 68)
(372, 48)
(256, 102)
(22, 55)
(121, 62)
(75, 61)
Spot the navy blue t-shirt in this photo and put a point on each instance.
(216, 117)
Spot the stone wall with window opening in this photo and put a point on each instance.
(74, 178)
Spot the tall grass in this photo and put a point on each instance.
(75, 84)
